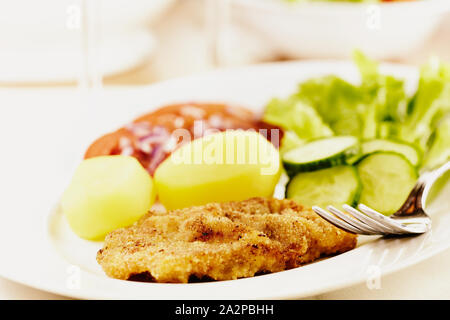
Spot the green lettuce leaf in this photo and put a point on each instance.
(336, 101)
(298, 117)
(386, 100)
(430, 103)
(439, 151)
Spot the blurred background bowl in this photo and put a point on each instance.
(387, 30)
(41, 40)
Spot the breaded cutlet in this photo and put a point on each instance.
(221, 241)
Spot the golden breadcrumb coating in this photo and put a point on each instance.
(221, 241)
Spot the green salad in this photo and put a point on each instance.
(363, 143)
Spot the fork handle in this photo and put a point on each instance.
(429, 178)
(413, 202)
(420, 191)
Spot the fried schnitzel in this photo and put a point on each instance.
(221, 241)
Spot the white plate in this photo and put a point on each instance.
(40, 251)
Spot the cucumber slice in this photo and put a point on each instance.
(320, 154)
(409, 151)
(332, 186)
(387, 179)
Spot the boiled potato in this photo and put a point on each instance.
(225, 166)
(107, 193)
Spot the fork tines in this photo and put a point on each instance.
(365, 221)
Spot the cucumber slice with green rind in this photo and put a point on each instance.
(332, 186)
(320, 154)
(411, 152)
(387, 179)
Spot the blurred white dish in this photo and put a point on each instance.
(62, 62)
(334, 29)
(54, 16)
(41, 40)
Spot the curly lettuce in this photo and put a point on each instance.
(300, 118)
(378, 107)
(429, 105)
(439, 146)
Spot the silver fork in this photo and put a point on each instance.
(409, 219)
